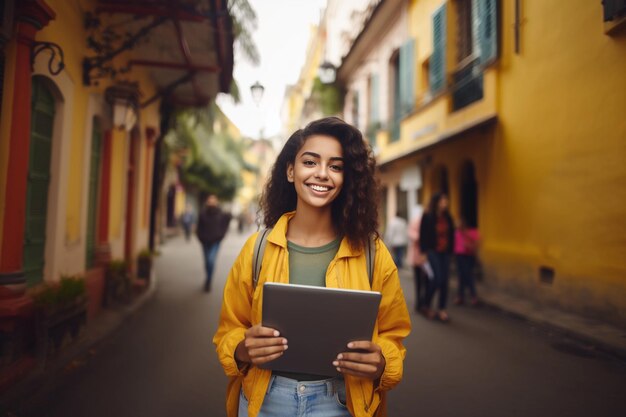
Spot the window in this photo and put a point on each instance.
(6, 20)
(614, 9)
(465, 41)
(394, 79)
(614, 14)
(476, 47)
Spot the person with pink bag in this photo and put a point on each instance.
(422, 271)
(465, 248)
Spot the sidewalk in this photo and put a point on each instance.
(599, 335)
(603, 336)
(38, 381)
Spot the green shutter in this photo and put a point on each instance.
(397, 104)
(42, 120)
(94, 181)
(487, 30)
(437, 70)
(407, 84)
(374, 92)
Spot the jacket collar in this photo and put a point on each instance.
(278, 236)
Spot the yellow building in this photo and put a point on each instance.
(298, 108)
(516, 109)
(82, 110)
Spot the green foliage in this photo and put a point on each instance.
(117, 269)
(328, 96)
(244, 23)
(234, 92)
(51, 297)
(211, 161)
(145, 253)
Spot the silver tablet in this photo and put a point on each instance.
(318, 323)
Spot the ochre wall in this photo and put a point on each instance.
(560, 168)
(551, 173)
(71, 17)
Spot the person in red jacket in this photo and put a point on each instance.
(437, 241)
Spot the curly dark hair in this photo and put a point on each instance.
(355, 210)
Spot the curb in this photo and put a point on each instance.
(592, 343)
(541, 317)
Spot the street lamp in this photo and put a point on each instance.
(257, 92)
(327, 73)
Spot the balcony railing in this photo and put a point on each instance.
(467, 85)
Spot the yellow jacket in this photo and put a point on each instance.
(241, 309)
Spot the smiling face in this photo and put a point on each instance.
(317, 172)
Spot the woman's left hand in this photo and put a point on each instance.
(367, 364)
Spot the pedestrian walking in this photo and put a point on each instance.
(187, 219)
(418, 260)
(397, 238)
(437, 242)
(320, 204)
(466, 241)
(212, 227)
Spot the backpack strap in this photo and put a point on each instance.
(257, 254)
(370, 254)
(259, 251)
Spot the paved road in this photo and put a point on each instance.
(161, 363)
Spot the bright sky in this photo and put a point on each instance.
(281, 37)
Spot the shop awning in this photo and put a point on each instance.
(187, 46)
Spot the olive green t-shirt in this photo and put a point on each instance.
(308, 266)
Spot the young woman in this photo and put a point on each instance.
(437, 242)
(320, 202)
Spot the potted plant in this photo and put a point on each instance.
(60, 310)
(117, 286)
(144, 264)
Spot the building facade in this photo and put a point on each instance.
(82, 111)
(518, 115)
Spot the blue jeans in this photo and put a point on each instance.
(440, 263)
(287, 397)
(398, 255)
(210, 255)
(465, 268)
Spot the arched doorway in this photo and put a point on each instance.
(131, 191)
(40, 151)
(469, 194)
(440, 183)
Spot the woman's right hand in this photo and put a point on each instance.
(261, 345)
